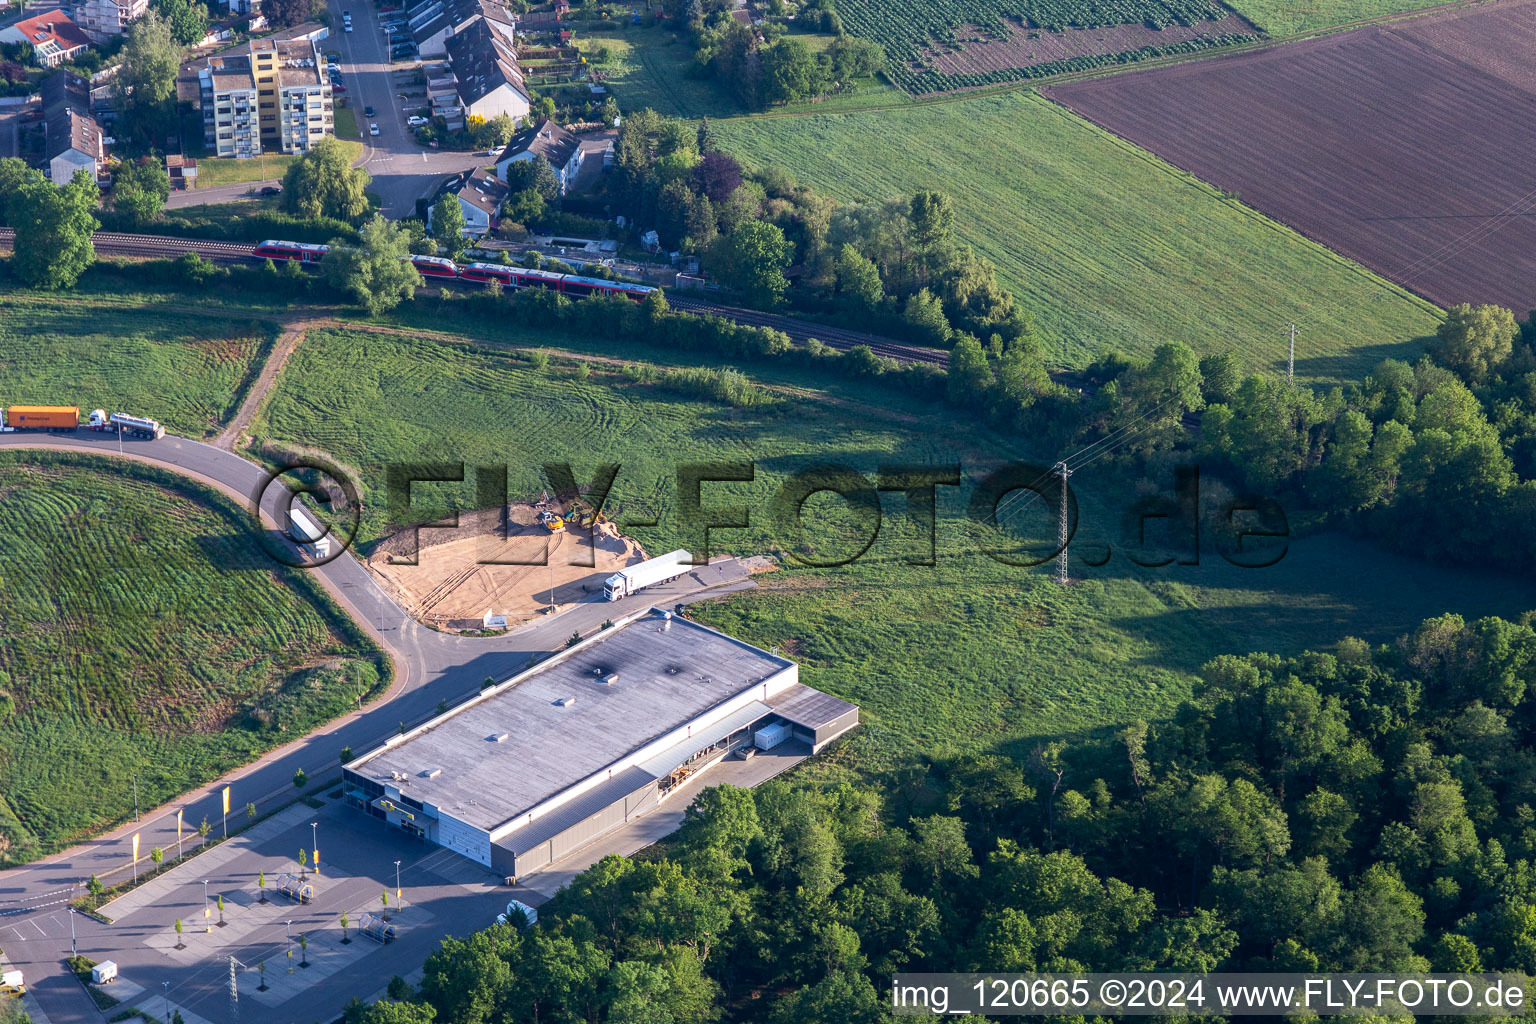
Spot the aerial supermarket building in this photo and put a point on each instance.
(536, 767)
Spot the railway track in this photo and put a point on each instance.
(111, 243)
(803, 330)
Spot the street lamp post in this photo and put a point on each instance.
(399, 903)
(73, 949)
(206, 926)
(167, 987)
(314, 833)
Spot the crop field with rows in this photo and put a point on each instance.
(1104, 244)
(187, 372)
(142, 629)
(914, 34)
(1432, 193)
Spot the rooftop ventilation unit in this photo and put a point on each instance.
(565, 702)
(431, 773)
(498, 737)
(611, 679)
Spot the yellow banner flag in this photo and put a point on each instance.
(226, 799)
(178, 824)
(317, 860)
(135, 846)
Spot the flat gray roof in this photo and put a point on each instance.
(668, 675)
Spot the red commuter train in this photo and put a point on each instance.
(569, 284)
(476, 273)
(304, 252)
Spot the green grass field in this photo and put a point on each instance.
(214, 170)
(1104, 243)
(145, 631)
(968, 654)
(651, 67)
(346, 124)
(1287, 17)
(187, 372)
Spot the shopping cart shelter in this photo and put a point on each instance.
(555, 757)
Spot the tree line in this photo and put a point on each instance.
(762, 66)
(1362, 809)
(895, 267)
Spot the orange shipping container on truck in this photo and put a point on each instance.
(43, 417)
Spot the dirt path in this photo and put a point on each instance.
(293, 333)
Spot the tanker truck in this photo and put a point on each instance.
(122, 423)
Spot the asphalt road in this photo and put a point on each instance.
(430, 667)
(402, 170)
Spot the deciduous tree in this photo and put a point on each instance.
(53, 226)
(140, 189)
(374, 271)
(322, 183)
(752, 259)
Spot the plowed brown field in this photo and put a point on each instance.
(1410, 148)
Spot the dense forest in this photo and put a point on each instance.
(1357, 810)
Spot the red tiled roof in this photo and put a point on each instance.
(55, 25)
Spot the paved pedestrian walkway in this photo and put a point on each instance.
(206, 863)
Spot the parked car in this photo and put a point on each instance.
(367, 111)
(347, 27)
(415, 120)
(272, 190)
(373, 129)
(338, 87)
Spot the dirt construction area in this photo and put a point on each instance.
(1407, 147)
(463, 576)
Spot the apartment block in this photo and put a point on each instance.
(271, 96)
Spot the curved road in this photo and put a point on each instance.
(429, 666)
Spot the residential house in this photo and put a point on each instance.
(480, 195)
(72, 138)
(485, 66)
(269, 95)
(548, 140)
(74, 142)
(431, 22)
(443, 96)
(54, 38)
(103, 19)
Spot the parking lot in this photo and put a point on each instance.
(443, 893)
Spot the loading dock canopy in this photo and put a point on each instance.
(811, 709)
(665, 762)
(568, 814)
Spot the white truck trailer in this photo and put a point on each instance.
(769, 736)
(104, 972)
(12, 981)
(647, 574)
(307, 533)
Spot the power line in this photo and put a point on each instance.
(1061, 526)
